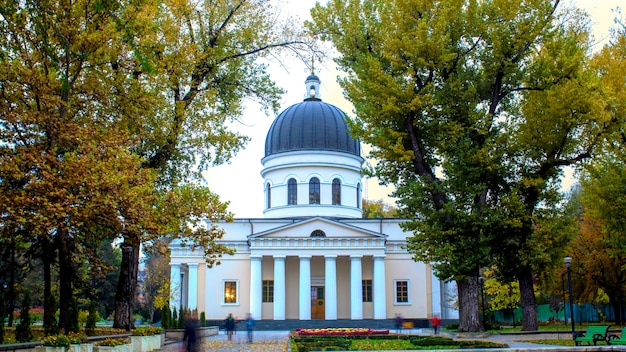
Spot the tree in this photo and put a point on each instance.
(378, 209)
(156, 284)
(3, 313)
(200, 62)
(451, 95)
(598, 250)
(23, 332)
(65, 163)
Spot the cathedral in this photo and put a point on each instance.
(312, 256)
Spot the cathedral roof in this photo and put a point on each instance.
(311, 125)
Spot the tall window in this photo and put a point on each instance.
(358, 195)
(269, 196)
(367, 290)
(402, 291)
(268, 291)
(336, 192)
(292, 192)
(230, 292)
(314, 191)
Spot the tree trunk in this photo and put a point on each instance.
(49, 304)
(12, 294)
(469, 314)
(527, 300)
(126, 287)
(65, 279)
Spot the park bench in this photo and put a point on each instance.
(618, 340)
(593, 334)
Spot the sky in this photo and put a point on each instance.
(240, 183)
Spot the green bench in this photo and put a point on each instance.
(593, 334)
(618, 340)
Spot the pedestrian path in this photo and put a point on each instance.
(278, 341)
(268, 341)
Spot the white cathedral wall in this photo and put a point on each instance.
(235, 268)
(402, 267)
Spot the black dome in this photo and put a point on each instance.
(310, 125)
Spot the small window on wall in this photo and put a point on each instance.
(402, 291)
(318, 233)
(269, 196)
(336, 192)
(230, 292)
(292, 192)
(367, 290)
(268, 291)
(314, 191)
(358, 195)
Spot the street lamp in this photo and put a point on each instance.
(564, 298)
(568, 260)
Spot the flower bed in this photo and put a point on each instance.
(340, 331)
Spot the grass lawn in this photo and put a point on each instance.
(386, 342)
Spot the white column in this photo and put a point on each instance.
(437, 295)
(279, 287)
(380, 299)
(192, 286)
(305, 287)
(331, 287)
(175, 286)
(356, 288)
(256, 286)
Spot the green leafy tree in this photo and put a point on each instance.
(92, 319)
(598, 250)
(166, 316)
(23, 331)
(472, 109)
(198, 61)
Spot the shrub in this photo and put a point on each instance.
(49, 320)
(452, 326)
(112, 342)
(148, 331)
(76, 337)
(72, 316)
(92, 318)
(22, 330)
(202, 319)
(166, 317)
(154, 330)
(56, 341)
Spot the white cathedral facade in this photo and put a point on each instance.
(312, 255)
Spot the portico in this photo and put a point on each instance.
(314, 262)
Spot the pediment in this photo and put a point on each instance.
(306, 227)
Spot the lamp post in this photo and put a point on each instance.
(568, 260)
(564, 298)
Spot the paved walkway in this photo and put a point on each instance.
(269, 341)
(278, 341)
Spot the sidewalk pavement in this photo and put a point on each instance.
(278, 341)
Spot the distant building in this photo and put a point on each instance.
(312, 256)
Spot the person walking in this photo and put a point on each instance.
(398, 322)
(250, 323)
(229, 324)
(435, 321)
(189, 337)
